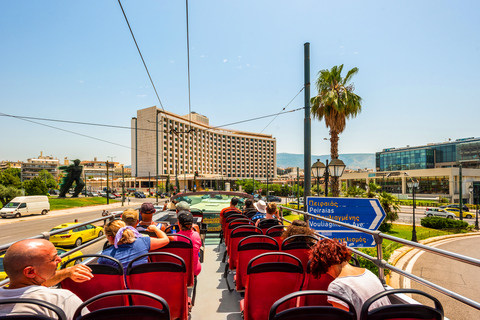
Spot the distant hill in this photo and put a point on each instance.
(352, 160)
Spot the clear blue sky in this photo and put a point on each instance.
(419, 70)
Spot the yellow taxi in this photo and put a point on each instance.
(456, 211)
(75, 237)
(60, 251)
(294, 204)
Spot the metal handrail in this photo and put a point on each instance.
(382, 264)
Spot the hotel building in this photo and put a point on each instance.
(188, 145)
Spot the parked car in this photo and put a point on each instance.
(139, 194)
(75, 237)
(186, 199)
(465, 208)
(110, 196)
(273, 199)
(102, 194)
(437, 212)
(53, 192)
(456, 211)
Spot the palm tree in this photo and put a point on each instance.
(335, 103)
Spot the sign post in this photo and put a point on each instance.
(361, 212)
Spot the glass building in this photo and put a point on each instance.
(438, 155)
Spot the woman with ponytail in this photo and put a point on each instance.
(127, 243)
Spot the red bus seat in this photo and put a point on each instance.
(166, 277)
(248, 248)
(236, 235)
(183, 249)
(402, 311)
(275, 232)
(268, 280)
(279, 311)
(60, 315)
(105, 278)
(299, 246)
(266, 224)
(126, 312)
(311, 283)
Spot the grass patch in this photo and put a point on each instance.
(403, 232)
(67, 203)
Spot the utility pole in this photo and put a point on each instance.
(123, 185)
(108, 200)
(460, 202)
(307, 167)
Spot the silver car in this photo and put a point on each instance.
(437, 212)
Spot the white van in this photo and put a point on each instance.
(21, 206)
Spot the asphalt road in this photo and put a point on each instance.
(461, 278)
(12, 230)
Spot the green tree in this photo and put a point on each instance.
(335, 103)
(44, 175)
(167, 184)
(355, 191)
(7, 193)
(36, 186)
(372, 190)
(10, 177)
(247, 185)
(390, 206)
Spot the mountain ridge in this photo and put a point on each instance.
(352, 160)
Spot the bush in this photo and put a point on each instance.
(443, 223)
(385, 227)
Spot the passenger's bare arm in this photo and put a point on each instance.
(160, 241)
(78, 273)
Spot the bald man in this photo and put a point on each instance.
(31, 266)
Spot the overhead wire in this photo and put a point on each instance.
(141, 56)
(76, 133)
(283, 109)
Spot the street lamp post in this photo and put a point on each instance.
(413, 184)
(318, 169)
(335, 169)
(475, 190)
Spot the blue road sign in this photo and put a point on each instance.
(360, 212)
(353, 239)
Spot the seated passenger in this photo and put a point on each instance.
(261, 210)
(232, 207)
(129, 244)
(298, 227)
(249, 210)
(270, 218)
(31, 266)
(355, 284)
(147, 210)
(185, 221)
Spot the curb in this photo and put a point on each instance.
(401, 252)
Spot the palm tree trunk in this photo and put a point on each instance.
(334, 155)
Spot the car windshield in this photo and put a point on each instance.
(211, 203)
(12, 205)
(1, 265)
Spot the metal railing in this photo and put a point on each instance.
(46, 236)
(382, 264)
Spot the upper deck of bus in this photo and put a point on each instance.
(213, 299)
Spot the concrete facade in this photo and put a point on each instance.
(186, 146)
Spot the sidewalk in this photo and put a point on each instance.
(405, 257)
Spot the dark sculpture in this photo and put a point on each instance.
(74, 174)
